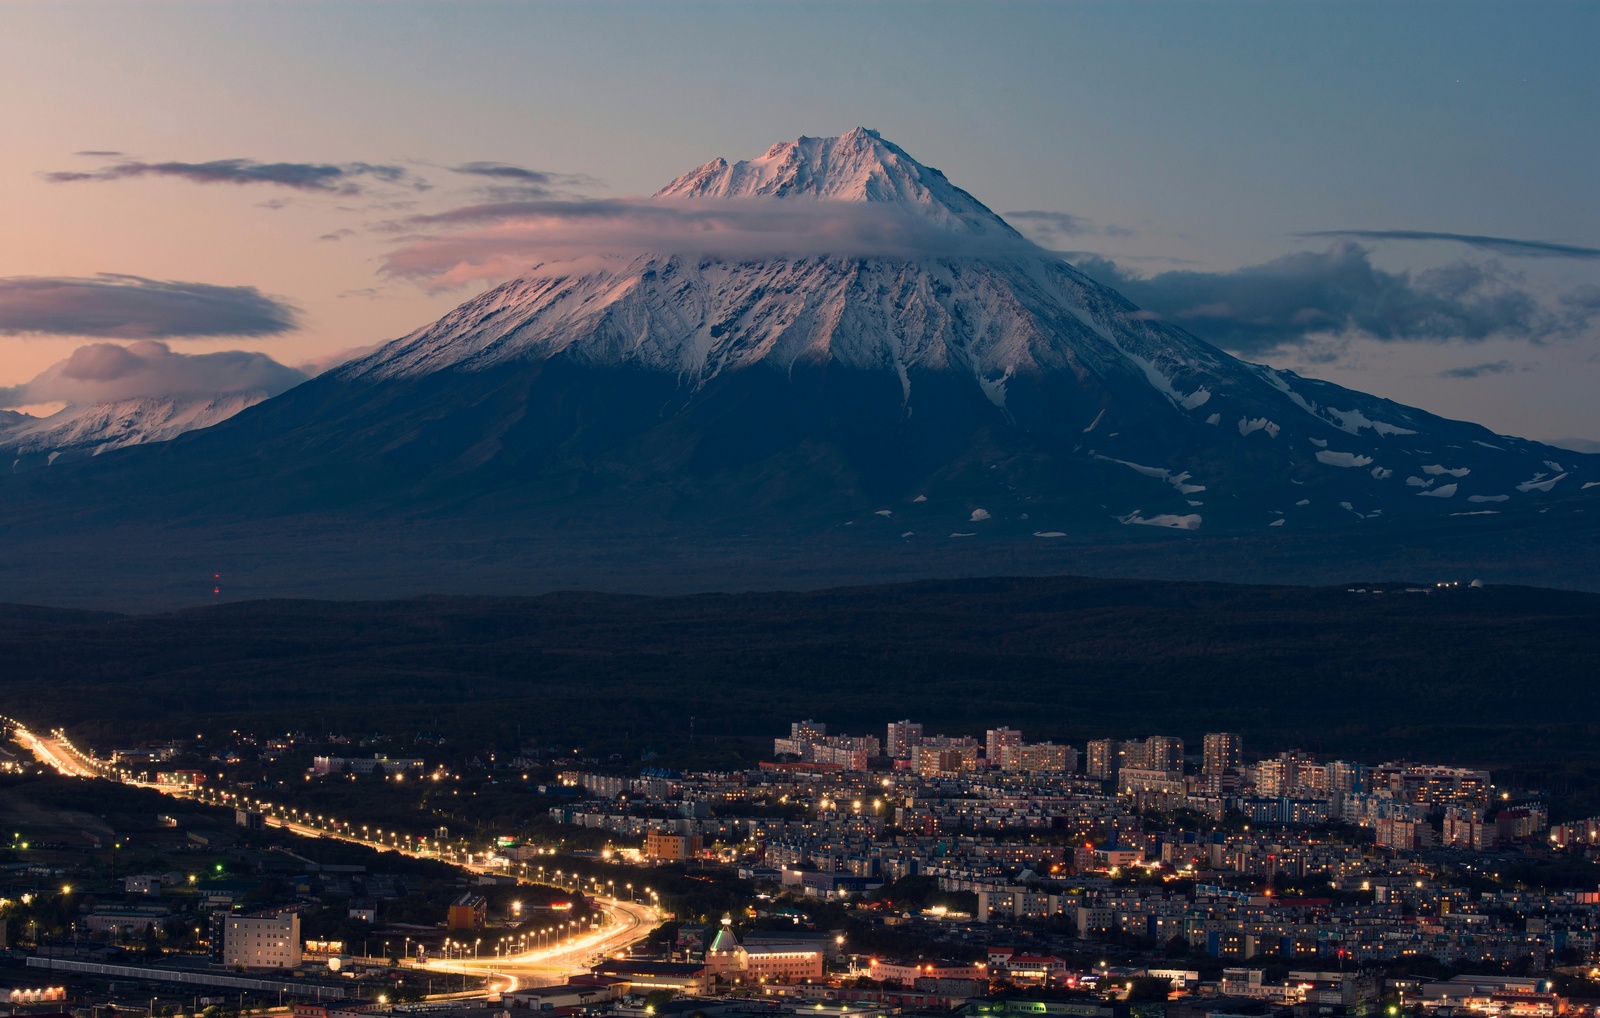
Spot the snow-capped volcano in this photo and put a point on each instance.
(984, 339)
(829, 362)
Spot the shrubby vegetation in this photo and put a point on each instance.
(1448, 676)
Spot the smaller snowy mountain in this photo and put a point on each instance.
(80, 431)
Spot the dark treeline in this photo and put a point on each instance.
(1500, 676)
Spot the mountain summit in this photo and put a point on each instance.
(859, 166)
(855, 377)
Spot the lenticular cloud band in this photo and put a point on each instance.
(502, 239)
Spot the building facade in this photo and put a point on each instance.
(1222, 751)
(262, 940)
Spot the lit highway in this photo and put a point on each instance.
(627, 922)
(52, 751)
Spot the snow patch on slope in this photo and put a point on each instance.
(1179, 480)
(1536, 484)
(1168, 520)
(1343, 459)
(1246, 426)
(1354, 420)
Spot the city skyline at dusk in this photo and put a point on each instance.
(799, 509)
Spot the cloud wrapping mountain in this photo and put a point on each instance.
(500, 239)
(132, 307)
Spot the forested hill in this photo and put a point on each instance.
(1497, 676)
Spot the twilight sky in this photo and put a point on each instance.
(1403, 198)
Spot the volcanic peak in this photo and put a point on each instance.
(858, 166)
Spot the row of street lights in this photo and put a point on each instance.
(575, 882)
(561, 934)
(537, 940)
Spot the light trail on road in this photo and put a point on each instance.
(630, 921)
(53, 753)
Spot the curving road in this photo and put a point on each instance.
(628, 921)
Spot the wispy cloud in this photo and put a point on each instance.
(340, 178)
(1052, 229)
(1064, 223)
(1580, 305)
(1499, 245)
(512, 211)
(131, 307)
(1288, 301)
(1479, 370)
(104, 372)
(506, 171)
(509, 182)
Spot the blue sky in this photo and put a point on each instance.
(1200, 138)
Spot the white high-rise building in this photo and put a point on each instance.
(262, 940)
